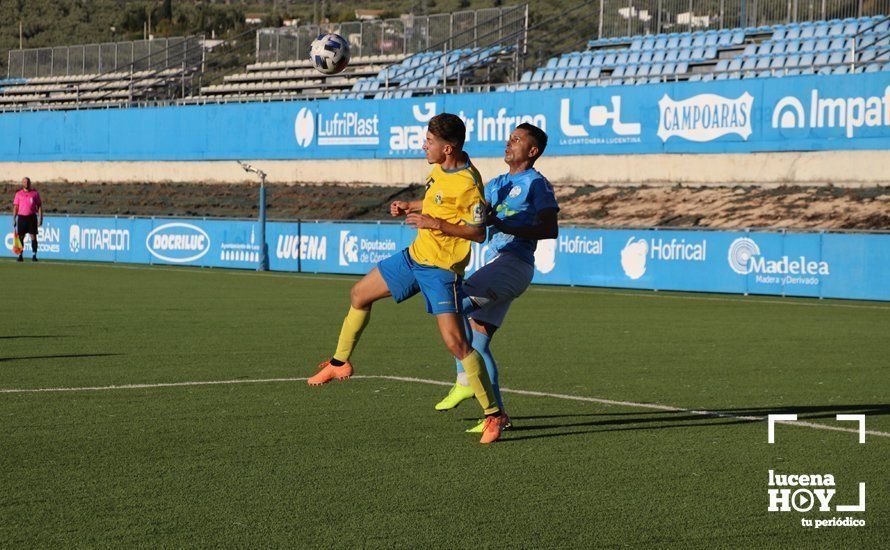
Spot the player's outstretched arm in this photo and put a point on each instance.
(545, 228)
(468, 232)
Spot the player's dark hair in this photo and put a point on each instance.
(539, 136)
(449, 128)
(27, 179)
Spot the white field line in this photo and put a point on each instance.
(567, 397)
(533, 288)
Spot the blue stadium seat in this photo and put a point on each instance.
(660, 43)
(711, 52)
(865, 41)
(563, 62)
(792, 33)
(593, 74)
(673, 42)
(821, 30)
(748, 62)
(778, 47)
(559, 75)
(722, 66)
(571, 75)
(648, 43)
(836, 28)
(551, 63)
(659, 55)
(764, 74)
(711, 38)
(779, 32)
(644, 70)
(669, 69)
(836, 57)
(656, 69)
(609, 60)
(882, 27)
(581, 75)
(621, 58)
(684, 55)
(630, 70)
(637, 44)
(763, 62)
(867, 55)
(872, 68)
(597, 60)
(750, 49)
(738, 37)
(698, 40)
(823, 44)
(807, 31)
(807, 60)
(646, 57)
(681, 68)
(619, 71)
(808, 45)
(633, 57)
(725, 40)
(707, 77)
(721, 76)
(851, 27)
(821, 59)
(697, 53)
(777, 62)
(695, 78)
(575, 61)
(841, 69)
(837, 44)
(792, 61)
(792, 46)
(685, 41)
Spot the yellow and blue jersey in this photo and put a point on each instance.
(456, 196)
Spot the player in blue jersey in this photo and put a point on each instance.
(522, 211)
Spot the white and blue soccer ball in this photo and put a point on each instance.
(329, 53)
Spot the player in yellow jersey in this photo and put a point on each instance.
(450, 215)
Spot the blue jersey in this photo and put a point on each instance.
(517, 199)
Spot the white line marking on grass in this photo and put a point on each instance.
(567, 397)
(597, 291)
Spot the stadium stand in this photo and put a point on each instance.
(823, 47)
(99, 74)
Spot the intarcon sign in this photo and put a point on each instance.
(797, 113)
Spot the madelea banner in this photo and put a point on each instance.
(828, 265)
(796, 113)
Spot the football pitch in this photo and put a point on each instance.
(176, 413)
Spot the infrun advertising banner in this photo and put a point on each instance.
(795, 113)
(827, 265)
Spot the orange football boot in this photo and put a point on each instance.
(492, 428)
(328, 372)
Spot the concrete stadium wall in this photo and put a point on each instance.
(842, 168)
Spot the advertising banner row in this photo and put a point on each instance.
(828, 265)
(799, 113)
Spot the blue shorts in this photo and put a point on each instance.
(404, 277)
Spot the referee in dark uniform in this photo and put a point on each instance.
(27, 215)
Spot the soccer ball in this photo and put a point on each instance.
(329, 53)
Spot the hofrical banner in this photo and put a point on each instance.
(826, 265)
(794, 113)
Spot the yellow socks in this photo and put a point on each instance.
(355, 322)
(474, 366)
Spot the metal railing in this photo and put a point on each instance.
(407, 35)
(634, 17)
(82, 59)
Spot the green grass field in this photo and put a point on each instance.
(368, 462)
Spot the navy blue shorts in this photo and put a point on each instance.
(442, 289)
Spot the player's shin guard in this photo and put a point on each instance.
(481, 344)
(355, 322)
(474, 366)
